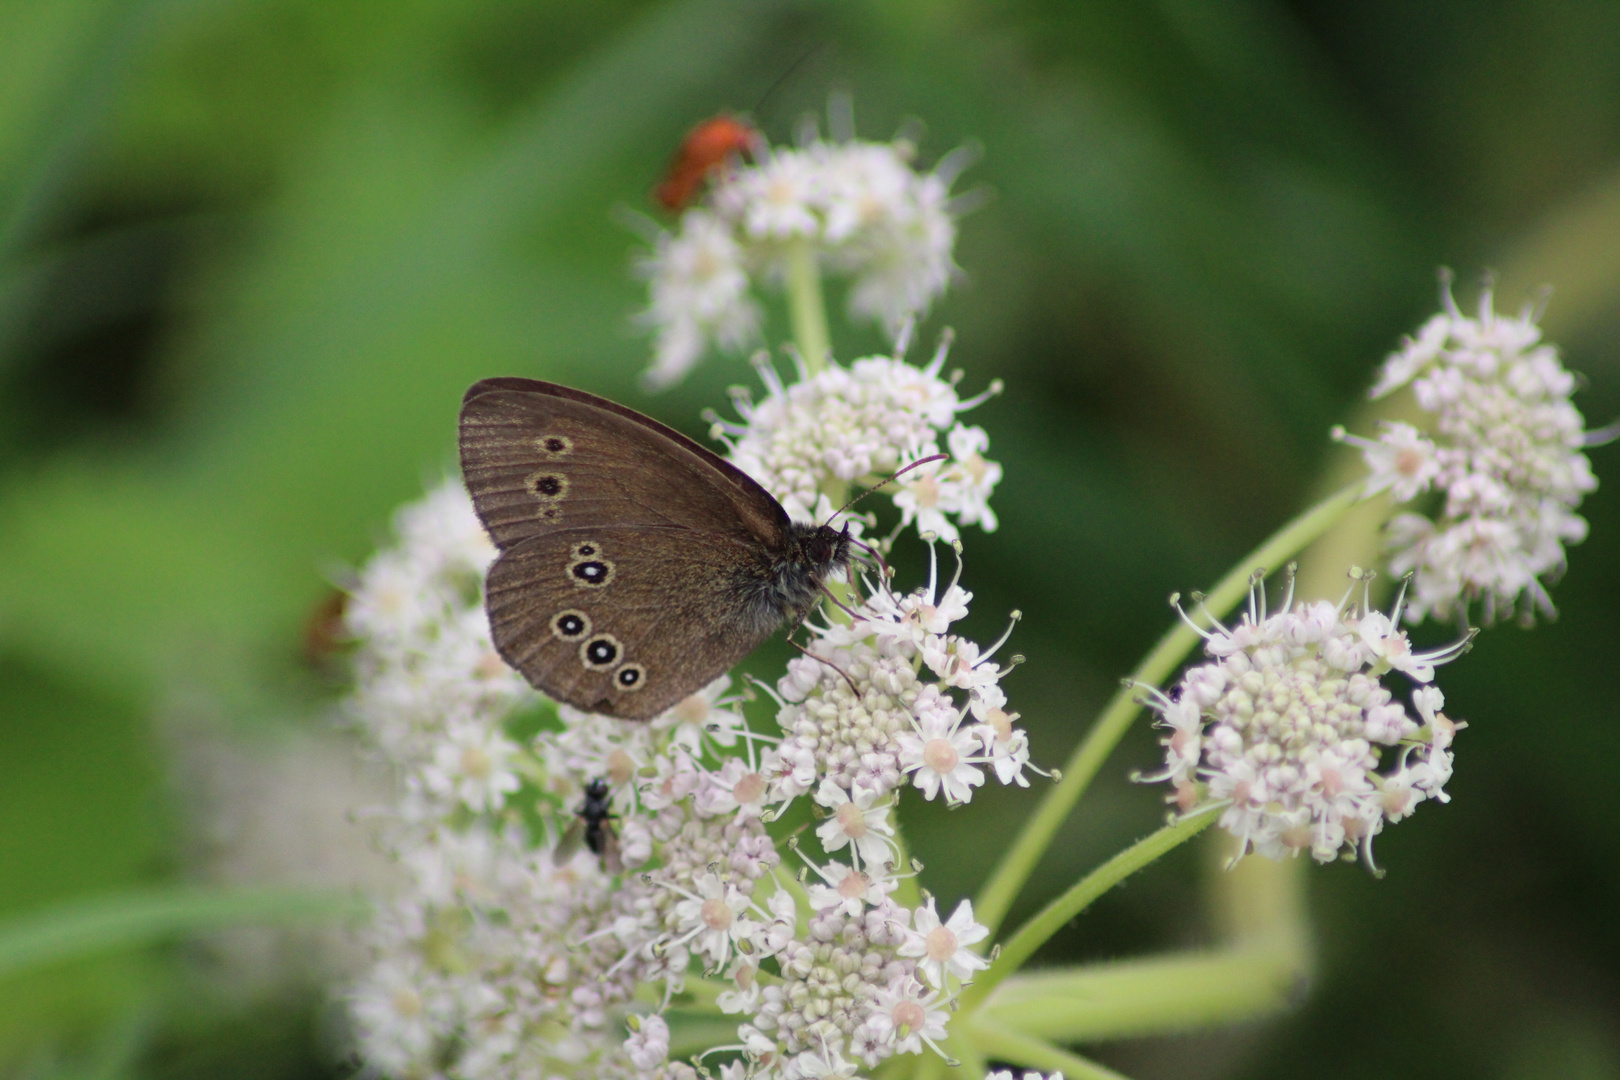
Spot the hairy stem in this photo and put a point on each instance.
(1019, 862)
(1050, 919)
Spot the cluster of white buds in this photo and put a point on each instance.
(1286, 723)
(859, 425)
(1501, 451)
(502, 958)
(859, 207)
(875, 704)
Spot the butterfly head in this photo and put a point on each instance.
(827, 549)
(794, 583)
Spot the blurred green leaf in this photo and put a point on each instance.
(135, 919)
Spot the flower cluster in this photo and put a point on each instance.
(859, 208)
(1286, 721)
(859, 425)
(1502, 449)
(431, 688)
(512, 952)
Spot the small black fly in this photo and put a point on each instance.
(592, 826)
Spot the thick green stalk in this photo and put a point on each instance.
(1156, 996)
(806, 308)
(1004, 1044)
(1050, 919)
(1019, 862)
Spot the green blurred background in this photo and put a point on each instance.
(252, 251)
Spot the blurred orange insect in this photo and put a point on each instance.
(705, 148)
(326, 634)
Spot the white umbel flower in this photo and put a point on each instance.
(856, 823)
(401, 1011)
(866, 708)
(942, 948)
(648, 1044)
(942, 755)
(862, 209)
(1289, 722)
(699, 295)
(1502, 450)
(858, 425)
(472, 765)
(907, 1015)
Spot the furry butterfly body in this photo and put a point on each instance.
(634, 566)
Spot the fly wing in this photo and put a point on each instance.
(612, 861)
(573, 838)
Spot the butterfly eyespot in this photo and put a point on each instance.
(630, 677)
(548, 486)
(591, 573)
(602, 651)
(570, 625)
(555, 445)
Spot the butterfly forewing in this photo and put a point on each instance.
(539, 457)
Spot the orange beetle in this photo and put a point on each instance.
(705, 148)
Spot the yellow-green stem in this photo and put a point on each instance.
(1032, 842)
(806, 308)
(1153, 996)
(1050, 919)
(1004, 1044)
(969, 1058)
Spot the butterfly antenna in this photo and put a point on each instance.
(782, 79)
(891, 478)
(852, 687)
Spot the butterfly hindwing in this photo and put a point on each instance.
(626, 620)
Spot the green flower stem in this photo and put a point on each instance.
(694, 1034)
(906, 890)
(1148, 997)
(930, 1067)
(970, 1060)
(1004, 1044)
(1052, 918)
(806, 308)
(135, 919)
(999, 892)
(704, 994)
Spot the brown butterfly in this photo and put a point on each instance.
(635, 566)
